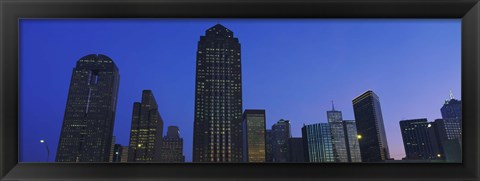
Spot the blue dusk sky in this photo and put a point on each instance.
(292, 68)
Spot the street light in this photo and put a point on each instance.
(48, 149)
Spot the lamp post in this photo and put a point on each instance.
(48, 149)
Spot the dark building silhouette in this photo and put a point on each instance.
(297, 154)
(281, 132)
(172, 146)
(124, 155)
(268, 145)
(218, 98)
(417, 139)
(117, 153)
(369, 121)
(447, 133)
(452, 109)
(146, 131)
(338, 135)
(351, 141)
(318, 143)
(254, 123)
(87, 130)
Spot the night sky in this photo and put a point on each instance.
(291, 68)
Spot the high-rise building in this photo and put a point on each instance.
(254, 123)
(297, 154)
(351, 141)
(281, 132)
(87, 130)
(172, 146)
(117, 153)
(417, 140)
(146, 130)
(124, 155)
(452, 109)
(338, 135)
(268, 146)
(369, 121)
(447, 136)
(112, 150)
(318, 143)
(218, 98)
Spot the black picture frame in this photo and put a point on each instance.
(11, 11)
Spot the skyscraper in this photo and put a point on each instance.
(318, 143)
(452, 109)
(117, 153)
(146, 130)
(417, 140)
(87, 130)
(268, 145)
(172, 146)
(218, 98)
(447, 135)
(338, 135)
(351, 141)
(369, 120)
(297, 154)
(254, 123)
(281, 132)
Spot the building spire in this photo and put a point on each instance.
(451, 95)
(333, 106)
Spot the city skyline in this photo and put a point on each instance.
(290, 115)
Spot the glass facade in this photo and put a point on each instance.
(146, 131)
(87, 130)
(318, 143)
(296, 150)
(351, 141)
(254, 124)
(218, 98)
(338, 135)
(369, 121)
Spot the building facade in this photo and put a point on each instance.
(351, 141)
(254, 126)
(318, 143)
(172, 146)
(281, 132)
(117, 153)
(268, 146)
(218, 98)
(417, 140)
(369, 121)
(335, 119)
(297, 154)
(146, 130)
(452, 109)
(87, 130)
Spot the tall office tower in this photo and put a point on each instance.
(297, 154)
(87, 129)
(416, 139)
(146, 130)
(351, 141)
(117, 153)
(268, 146)
(254, 123)
(448, 135)
(110, 157)
(318, 143)
(218, 98)
(452, 109)
(172, 146)
(280, 134)
(338, 135)
(124, 154)
(369, 120)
